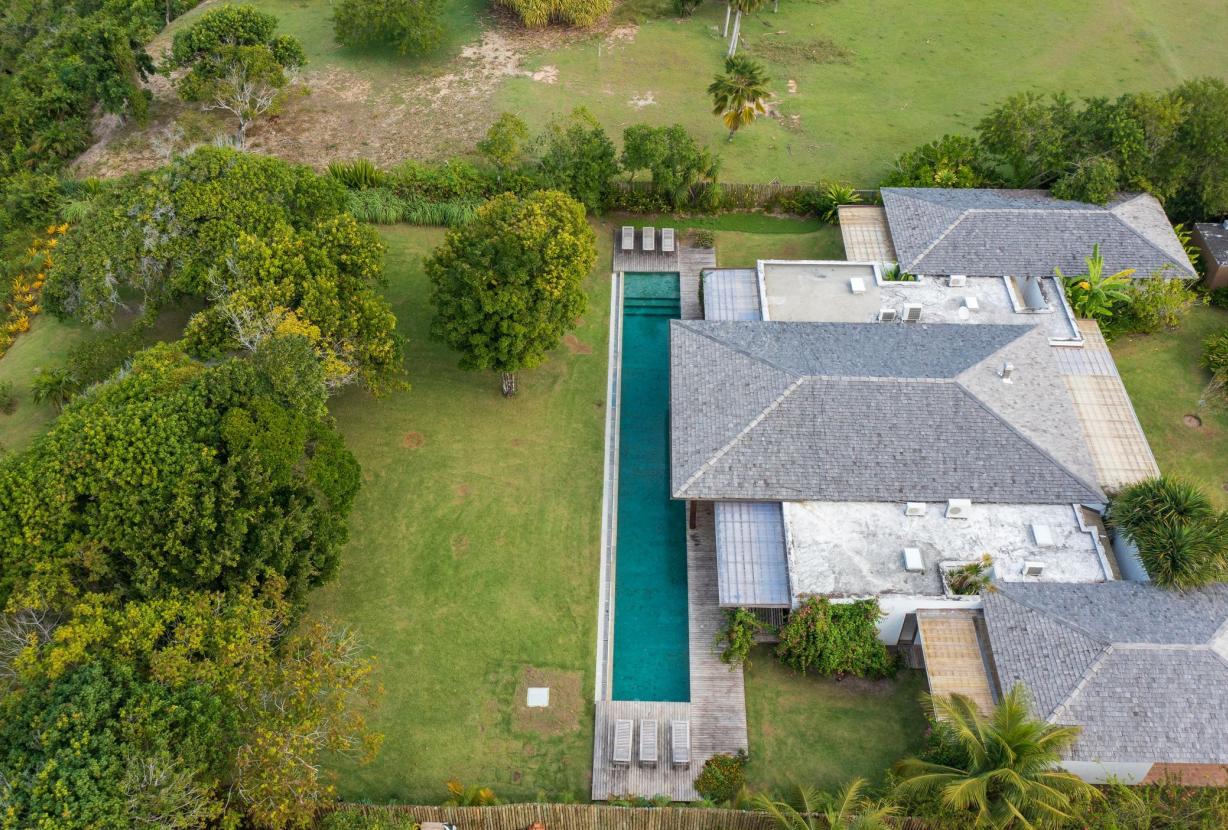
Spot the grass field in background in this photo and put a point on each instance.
(822, 732)
(473, 555)
(1166, 383)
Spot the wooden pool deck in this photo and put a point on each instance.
(688, 262)
(717, 711)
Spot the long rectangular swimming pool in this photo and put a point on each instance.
(651, 655)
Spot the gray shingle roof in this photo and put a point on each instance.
(1142, 671)
(983, 232)
(866, 412)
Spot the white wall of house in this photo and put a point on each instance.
(1096, 772)
(896, 608)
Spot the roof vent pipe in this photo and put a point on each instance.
(1006, 371)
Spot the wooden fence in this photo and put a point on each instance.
(585, 817)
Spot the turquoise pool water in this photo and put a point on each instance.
(650, 601)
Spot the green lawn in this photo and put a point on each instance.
(473, 555)
(823, 732)
(1166, 383)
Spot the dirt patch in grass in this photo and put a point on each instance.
(463, 491)
(1192, 421)
(335, 112)
(778, 49)
(413, 440)
(576, 346)
(460, 544)
(562, 716)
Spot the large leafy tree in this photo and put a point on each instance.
(507, 286)
(178, 476)
(236, 62)
(739, 93)
(579, 159)
(265, 243)
(411, 27)
(673, 158)
(1003, 766)
(175, 711)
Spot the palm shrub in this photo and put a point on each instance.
(810, 809)
(738, 635)
(469, 795)
(1005, 772)
(1094, 295)
(835, 639)
(738, 94)
(972, 578)
(1181, 540)
(835, 194)
(1163, 499)
(357, 174)
(53, 386)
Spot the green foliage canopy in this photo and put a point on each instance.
(508, 285)
(673, 158)
(1182, 541)
(835, 638)
(411, 27)
(579, 159)
(537, 13)
(177, 476)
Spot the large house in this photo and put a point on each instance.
(859, 436)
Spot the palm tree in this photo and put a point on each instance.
(1160, 499)
(1183, 555)
(1009, 777)
(1093, 295)
(53, 386)
(738, 95)
(740, 7)
(850, 809)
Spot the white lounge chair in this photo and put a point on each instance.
(649, 238)
(621, 754)
(680, 742)
(648, 743)
(628, 238)
(667, 240)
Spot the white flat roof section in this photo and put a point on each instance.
(855, 549)
(732, 294)
(820, 292)
(751, 564)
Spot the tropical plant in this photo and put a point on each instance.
(8, 398)
(358, 174)
(1215, 358)
(537, 13)
(412, 27)
(508, 285)
(810, 809)
(1155, 304)
(1186, 237)
(738, 95)
(722, 778)
(1164, 499)
(1182, 542)
(972, 578)
(673, 158)
(53, 386)
(1094, 295)
(738, 635)
(740, 7)
(951, 161)
(833, 195)
(835, 638)
(1008, 776)
(894, 273)
(235, 62)
(504, 142)
(461, 795)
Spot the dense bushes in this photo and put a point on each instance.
(1169, 144)
(267, 244)
(1182, 541)
(1215, 358)
(835, 638)
(411, 27)
(722, 778)
(738, 635)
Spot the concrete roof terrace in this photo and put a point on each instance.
(855, 549)
(812, 291)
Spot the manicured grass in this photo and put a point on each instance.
(1166, 383)
(875, 77)
(740, 250)
(474, 555)
(822, 732)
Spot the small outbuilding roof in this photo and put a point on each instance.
(1141, 670)
(1027, 233)
(1215, 238)
(871, 412)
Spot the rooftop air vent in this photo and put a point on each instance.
(958, 280)
(912, 312)
(914, 508)
(857, 285)
(1007, 370)
(972, 304)
(1031, 568)
(913, 563)
(1042, 535)
(886, 315)
(959, 508)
